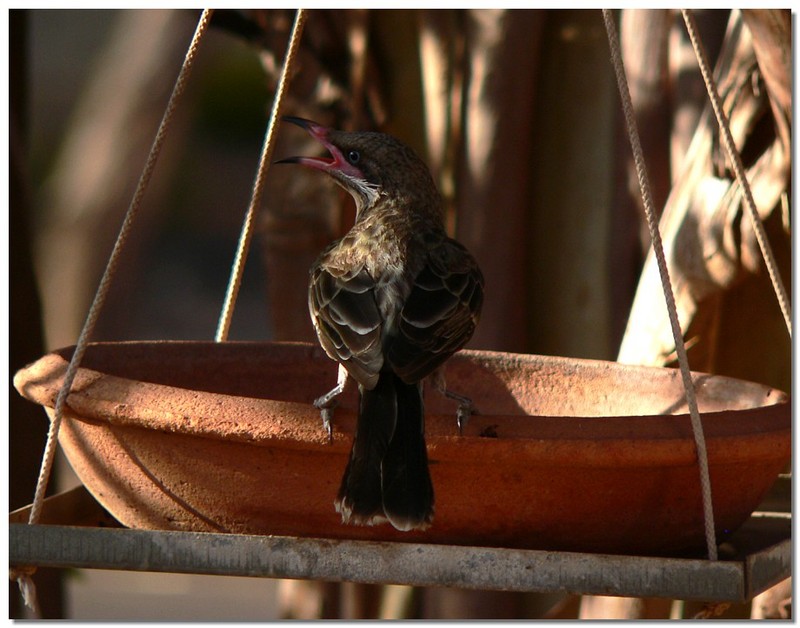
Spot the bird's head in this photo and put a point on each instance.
(370, 166)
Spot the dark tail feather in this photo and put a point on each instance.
(360, 495)
(387, 475)
(407, 486)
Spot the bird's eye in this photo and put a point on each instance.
(353, 157)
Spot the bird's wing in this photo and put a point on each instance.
(440, 313)
(347, 320)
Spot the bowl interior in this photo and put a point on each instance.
(499, 383)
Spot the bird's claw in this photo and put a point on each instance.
(327, 422)
(465, 406)
(465, 410)
(325, 408)
(461, 418)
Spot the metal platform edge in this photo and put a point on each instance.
(398, 563)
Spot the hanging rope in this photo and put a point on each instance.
(738, 169)
(23, 577)
(658, 249)
(246, 236)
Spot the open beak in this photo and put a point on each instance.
(335, 163)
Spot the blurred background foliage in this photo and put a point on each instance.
(517, 113)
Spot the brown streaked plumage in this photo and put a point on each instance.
(391, 301)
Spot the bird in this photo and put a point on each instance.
(390, 301)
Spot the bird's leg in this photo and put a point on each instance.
(465, 405)
(327, 402)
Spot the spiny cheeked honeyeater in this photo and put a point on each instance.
(391, 301)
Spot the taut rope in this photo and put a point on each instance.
(658, 249)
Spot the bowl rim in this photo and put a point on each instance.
(95, 397)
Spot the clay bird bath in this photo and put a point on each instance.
(566, 454)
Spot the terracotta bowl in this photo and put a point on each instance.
(565, 454)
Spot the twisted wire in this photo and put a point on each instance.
(23, 576)
(738, 169)
(658, 249)
(235, 281)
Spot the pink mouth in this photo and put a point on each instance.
(336, 163)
